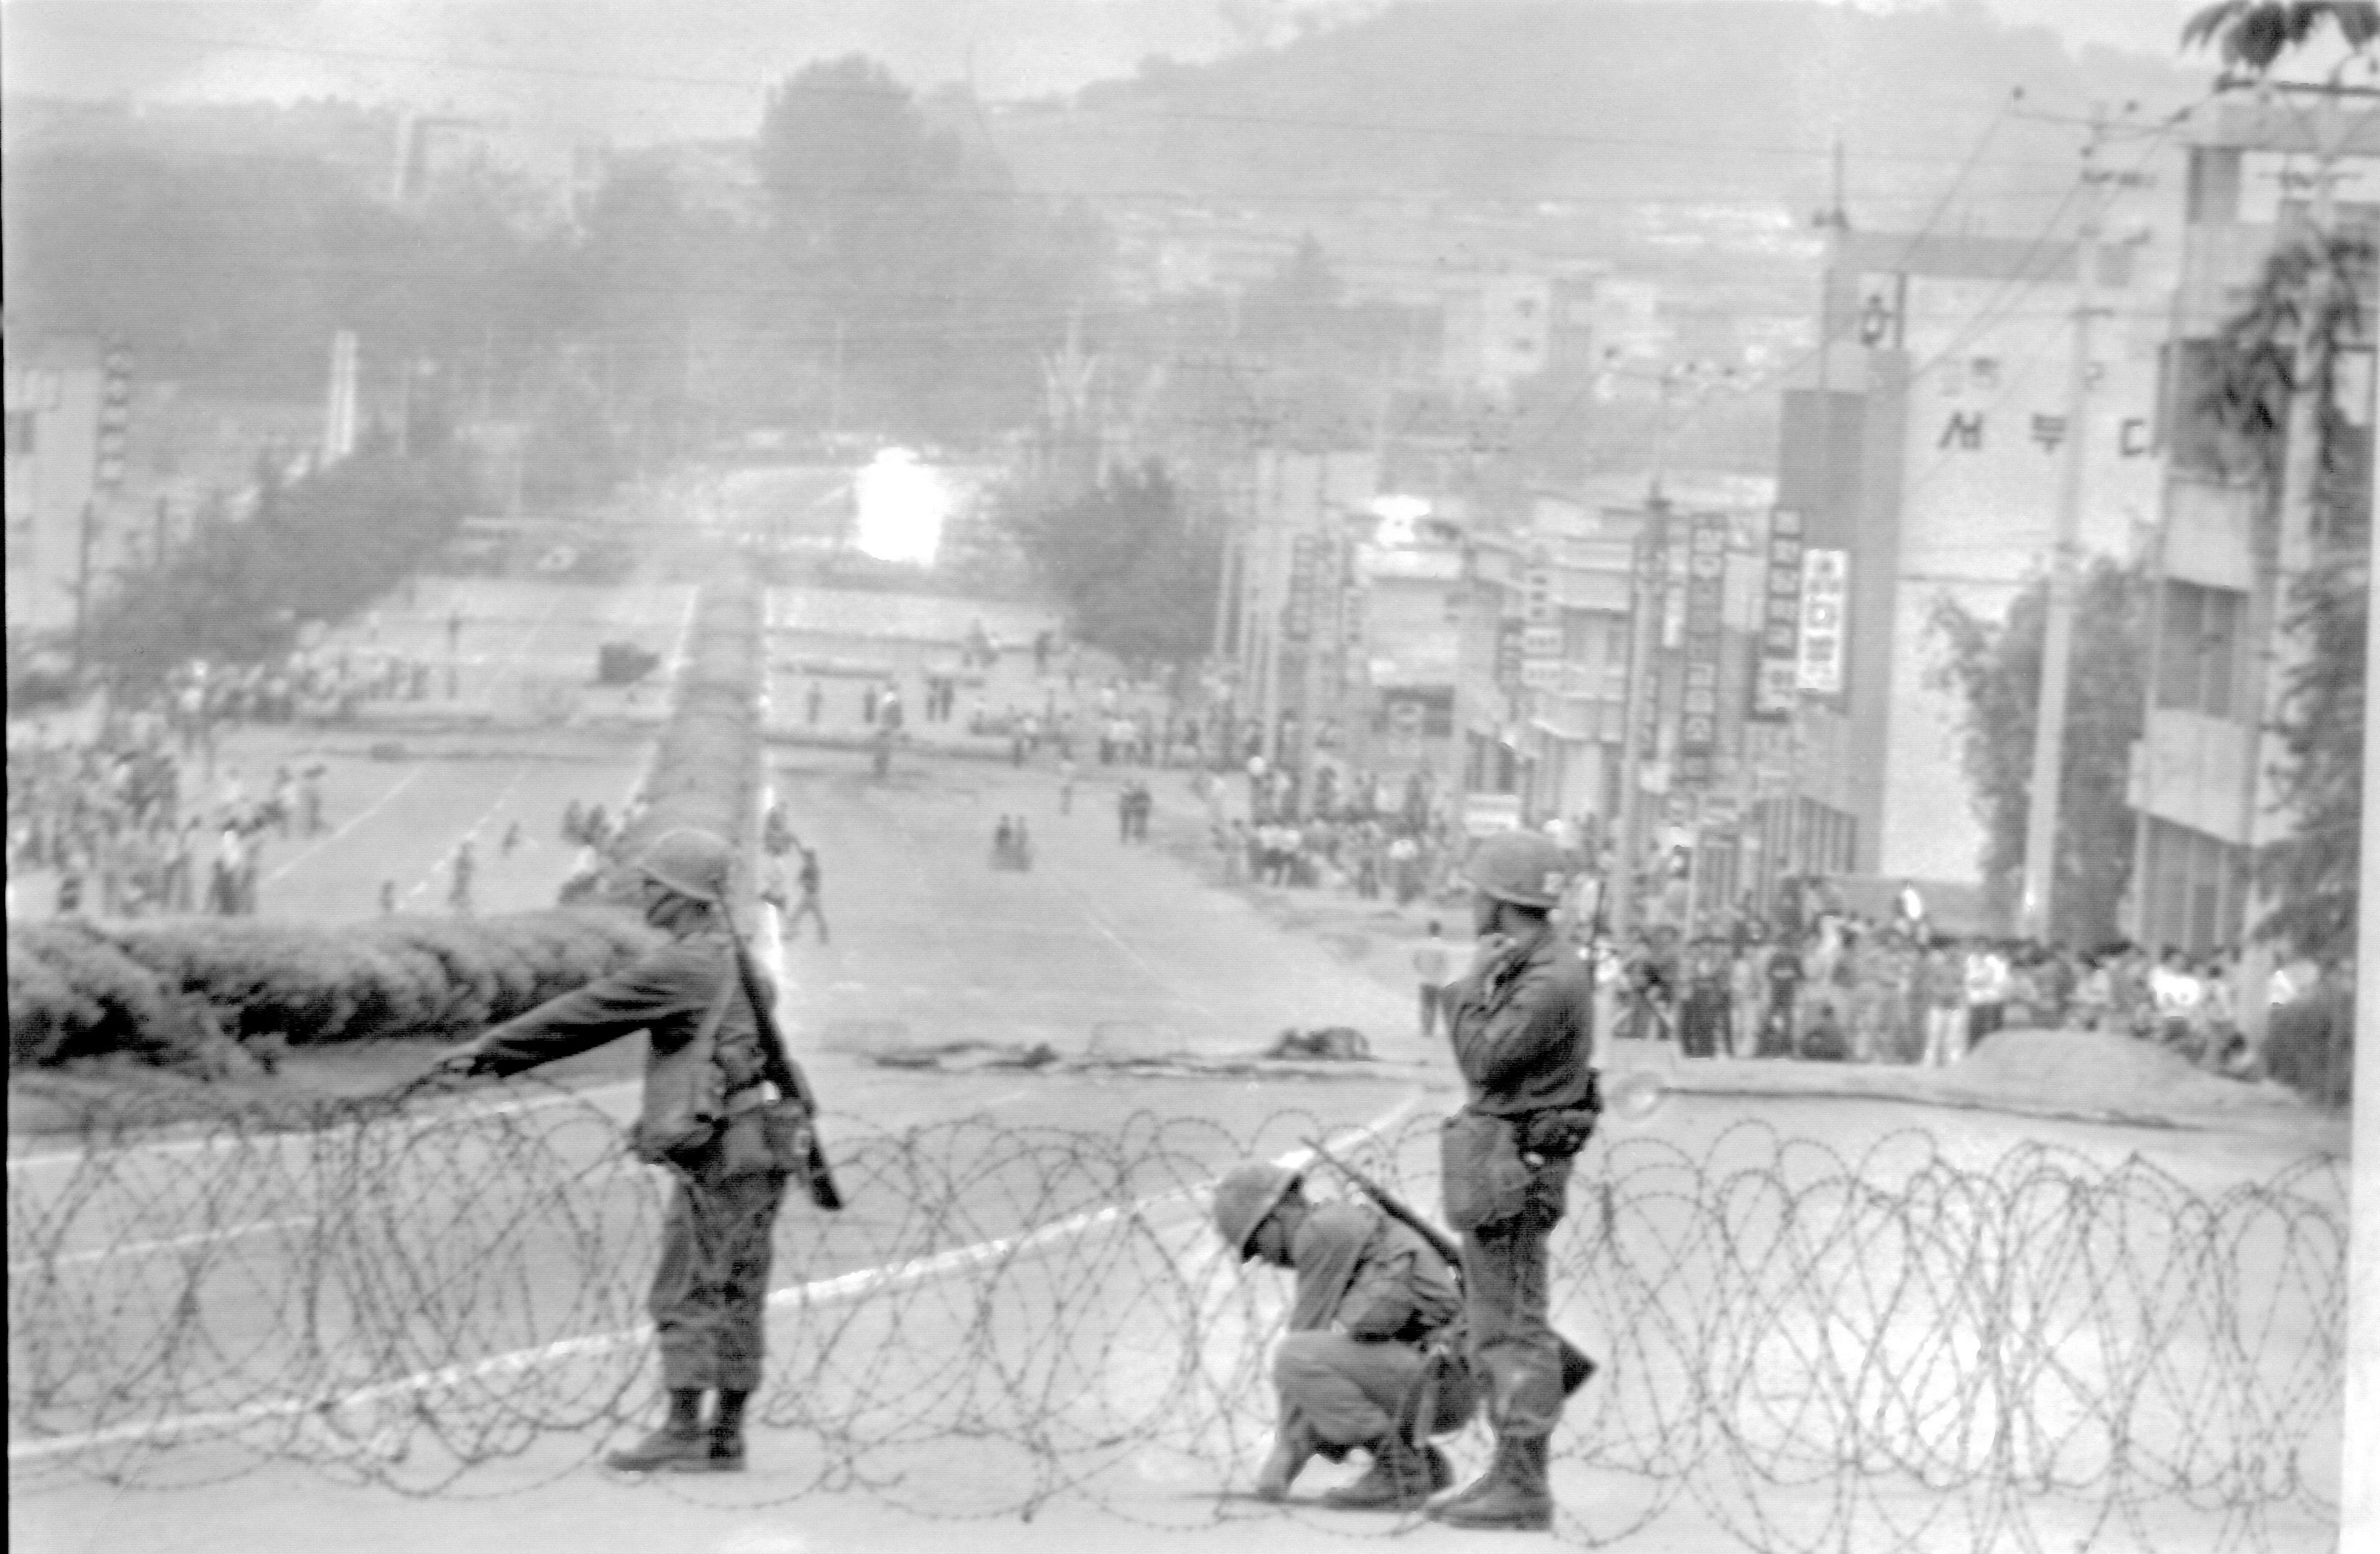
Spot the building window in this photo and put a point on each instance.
(2198, 650)
(2194, 892)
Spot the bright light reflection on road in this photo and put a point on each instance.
(902, 506)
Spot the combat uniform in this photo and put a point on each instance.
(1369, 1293)
(1523, 1028)
(709, 1292)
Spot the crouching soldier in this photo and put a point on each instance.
(1356, 1367)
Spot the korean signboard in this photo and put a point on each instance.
(1512, 637)
(1705, 597)
(1297, 612)
(1775, 679)
(114, 419)
(1826, 584)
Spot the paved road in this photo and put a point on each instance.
(1100, 948)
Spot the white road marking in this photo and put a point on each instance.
(173, 1243)
(822, 1292)
(186, 1146)
(361, 816)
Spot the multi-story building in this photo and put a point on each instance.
(2201, 778)
(1921, 455)
(1290, 629)
(55, 388)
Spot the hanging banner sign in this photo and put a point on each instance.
(1706, 599)
(1826, 588)
(1776, 680)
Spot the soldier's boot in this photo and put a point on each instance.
(681, 1439)
(1511, 1496)
(1400, 1479)
(1292, 1449)
(724, 1443)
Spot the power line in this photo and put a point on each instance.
(1125, 114)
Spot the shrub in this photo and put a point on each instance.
(72, 994)
(2310, 1046)
(76, 990)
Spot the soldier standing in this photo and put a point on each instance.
(708, 1293)
(1523, 1026)
(1370, 1294)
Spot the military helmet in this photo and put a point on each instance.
(1521, 866)
(1244, 1197)
(693, 863)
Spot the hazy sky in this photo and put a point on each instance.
(648, 68)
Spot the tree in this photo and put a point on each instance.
(319, 549)
(1996, 670)
(2252, 35)
(1136, 572)
(2284, 346)
(919, 283)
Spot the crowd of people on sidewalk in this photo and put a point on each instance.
(1849, 988)
(139, 817)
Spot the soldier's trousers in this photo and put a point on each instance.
(1350, 1391)
(1516, 1358)
(710, 1292)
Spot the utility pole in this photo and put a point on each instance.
(86, 532)
(2359, 1498)
(1651, 577)
(2057, 642)
(834, 389)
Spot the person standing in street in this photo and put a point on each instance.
(808, 907)
(1523, 1025)
(1430, 962)
(466, 868)
(699, 1004)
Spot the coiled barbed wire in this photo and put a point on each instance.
(1927, 1350)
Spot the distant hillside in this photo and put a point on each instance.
(1733, 99)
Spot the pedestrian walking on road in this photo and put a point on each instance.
(808, 907)
(813, 703)
(387, 897)
(458, 895)
(1523, 1026)
(1065, 784)
(706, 1010)
(309, 797)
(1430, 962)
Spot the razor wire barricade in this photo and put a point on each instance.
(1925, 1351)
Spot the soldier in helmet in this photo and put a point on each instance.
(1522, 1022)
(708, 1294)
(1370, 1293)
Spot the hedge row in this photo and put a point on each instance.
(161, 990)
(2311, 1047)
(706, 772)
(169, 990)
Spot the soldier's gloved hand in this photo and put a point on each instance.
(1491, 949)
(461, 1063)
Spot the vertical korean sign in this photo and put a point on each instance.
(1511, 638)
(1826, 586)
(1777, 679)
(114, 419)
(1706, 594)
(1297, 610)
